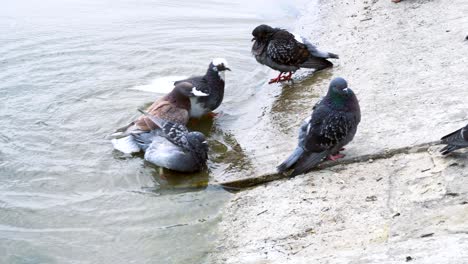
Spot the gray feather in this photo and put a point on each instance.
(308, 162)
(455, 140)
(316, 52)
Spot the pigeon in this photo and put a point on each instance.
(331, 126)
(455, 140)
(211, 83)
(174, 107)
(285, 52)
(173, 147)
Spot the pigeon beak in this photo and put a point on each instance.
(228, 69)
(253, 39)
(198, 93)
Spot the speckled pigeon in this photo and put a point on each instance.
(285, 52)
(331, 126)
(455, 140)
(173, 147)
(211, 83)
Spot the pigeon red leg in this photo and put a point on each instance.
(287, 78)
(336, 157)
(277, 79)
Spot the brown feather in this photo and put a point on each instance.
(173, 107)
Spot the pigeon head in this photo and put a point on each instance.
(263, 32)
(198, 142)
(339, 87)
(188, 90)
(219, 65)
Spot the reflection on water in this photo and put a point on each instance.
(296, 98)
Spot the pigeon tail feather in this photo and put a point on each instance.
(449, 148)
(291, 160)
(306, 164)
(454, 136)
(316, 63)
(333, 55)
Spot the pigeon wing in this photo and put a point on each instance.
(285, 50)
(200, 82)
(174, 132)
(455, 140)
(328, 128)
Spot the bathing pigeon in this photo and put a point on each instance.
(173, 107)
(285, 52)
(211, 83)
(173, 147)
(331, 126)
(455, 140)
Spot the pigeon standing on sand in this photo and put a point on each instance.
(455, 140)
(331, 126)
(285, 52)
(173, 147)
(174, 107)
(211, 83)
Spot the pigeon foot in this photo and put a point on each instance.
(287, 78)
(336, 157)
(277, 79)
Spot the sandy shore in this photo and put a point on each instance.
(407, 62)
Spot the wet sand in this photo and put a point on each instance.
(407, 64)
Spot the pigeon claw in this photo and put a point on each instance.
(281, 78)
(336, 157)
(287, 78)
(277, 79)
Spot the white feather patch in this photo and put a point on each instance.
(198, 93)
(196, 110)
(221, 75)
(219, 61)
(160, 85)
(126, 145)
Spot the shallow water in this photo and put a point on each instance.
(70, 73)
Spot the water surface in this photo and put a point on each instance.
(68, 73)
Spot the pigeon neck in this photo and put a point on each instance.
(337, 100)
(214, 73)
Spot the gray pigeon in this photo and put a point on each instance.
(173, 147)
(331, 126)
(285, 52)
(455, 140)
(211, 83)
